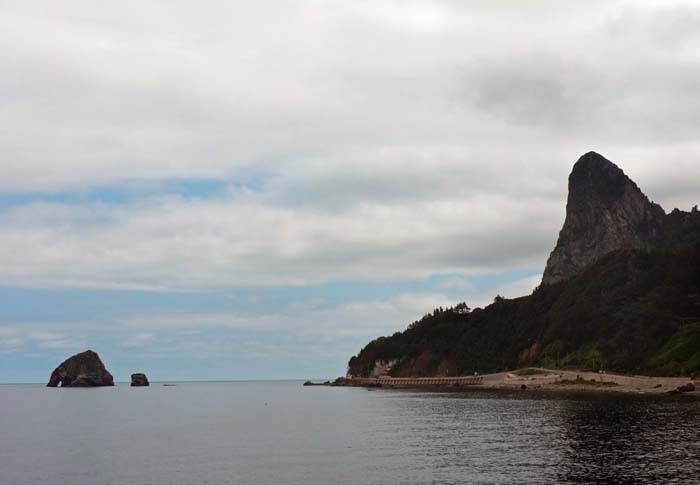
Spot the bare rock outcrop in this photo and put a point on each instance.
(605, 211)
(81, 370)
(139, 380)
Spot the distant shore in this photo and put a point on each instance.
(538, 379)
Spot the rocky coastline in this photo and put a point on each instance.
(620, 292)
(538, 380)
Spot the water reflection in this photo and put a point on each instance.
(500, 438)
(258, 433)
(623, 440)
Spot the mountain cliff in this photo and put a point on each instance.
(605, 211)
(620, 291)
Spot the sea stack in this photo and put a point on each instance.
(81, 370)
(139, 380)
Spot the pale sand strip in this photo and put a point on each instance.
(540, 379)
(568, 380)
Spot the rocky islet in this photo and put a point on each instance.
(86, 369)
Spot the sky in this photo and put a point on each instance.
(254, 190)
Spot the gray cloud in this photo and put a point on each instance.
(391, 139)
(185, 243)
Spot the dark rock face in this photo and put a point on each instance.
(605, 212)
(310, 383)
(689, 387)
(138, 380)
(621, 291)
(82, 370)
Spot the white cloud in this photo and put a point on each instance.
(308, 319)
(302, 333)
(138, 340)
(388, 139)
(17, 337)
(375, 140)
(10, 339)
(185, 243)
(457, 283)
(96, 94)
(308, 330)
(514, 289)
(54, 340)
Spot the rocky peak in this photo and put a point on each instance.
(139, 380)
(596, 177)
(81, 370)
(605, 211)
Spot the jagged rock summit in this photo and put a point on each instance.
(605, 211)
(81, 370)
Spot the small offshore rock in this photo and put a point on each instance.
(81, 370)
(311, 383)
(139, 380)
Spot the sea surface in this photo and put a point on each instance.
(283, 433)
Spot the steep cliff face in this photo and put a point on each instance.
(628, 297)
(605, 212)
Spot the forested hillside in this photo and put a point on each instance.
(622, 292)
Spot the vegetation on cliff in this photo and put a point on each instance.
(621, 292)
(632, 311)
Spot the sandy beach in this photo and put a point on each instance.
(548, 380)
(553, 379)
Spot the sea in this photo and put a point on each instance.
(282, 433)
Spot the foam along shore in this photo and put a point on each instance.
(535, 378)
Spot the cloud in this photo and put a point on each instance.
(53, 340)
(138, 340)
(95, 95)
(305, 337)
(457, 283)
(18, 337)
(517, 288)
(10, 340)
(314, 329)
(193, 244)
(359, 142)
(316, 320)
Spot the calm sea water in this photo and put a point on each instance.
(282, 433)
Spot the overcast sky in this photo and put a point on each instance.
(230, 190)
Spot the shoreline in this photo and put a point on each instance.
(539, 380)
